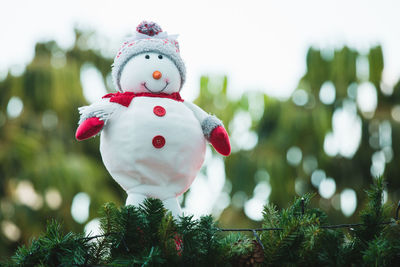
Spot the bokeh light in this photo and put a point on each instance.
(344, 121)
(300, 97)
(10, 230)
(294, 155)
(327, 188)
(367, 98)
(80, 207)
(26, 194)
(14, 107)
(317, 177)
(53, 198)
(348, 202)
(92, 83)
(92, 228)
(327, 93)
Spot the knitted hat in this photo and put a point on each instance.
(148, 37)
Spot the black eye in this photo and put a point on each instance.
(147, 56)
(160, 56)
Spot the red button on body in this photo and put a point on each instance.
(158, 141)
(159, 111)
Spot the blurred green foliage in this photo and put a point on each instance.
(38, 146)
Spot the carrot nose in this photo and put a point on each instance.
(157, 75)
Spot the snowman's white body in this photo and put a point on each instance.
(142, 169)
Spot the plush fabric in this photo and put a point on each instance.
(200, 114)
(220, 141)
(159, 42)
(149, 28)
(213, 129)
(89, 128)
(152, 144)
(209, 124)
(102, 109)
(129, 154)
(126, 146)
(126, 97)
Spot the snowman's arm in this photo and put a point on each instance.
(213, 129)
(93, 118)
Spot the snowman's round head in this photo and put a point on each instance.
(149, 62)
(150, 72)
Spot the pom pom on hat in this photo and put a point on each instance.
(149, 28)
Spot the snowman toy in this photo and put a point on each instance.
(152, 142)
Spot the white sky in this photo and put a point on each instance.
(259, 44)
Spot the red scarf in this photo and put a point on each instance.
(126, 97)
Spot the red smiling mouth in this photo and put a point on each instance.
(166, 84)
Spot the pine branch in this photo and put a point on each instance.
(235, 245)
(150, 258)
(188, 231)
(166, 233)
(53, 249)
(208, 240)
(153, 211)
(102, 249)
(270, 215)
(373, 218)
(149, 236)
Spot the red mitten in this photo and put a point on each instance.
(89, 128)
(220, 141)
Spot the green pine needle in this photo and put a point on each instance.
(149, 236)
